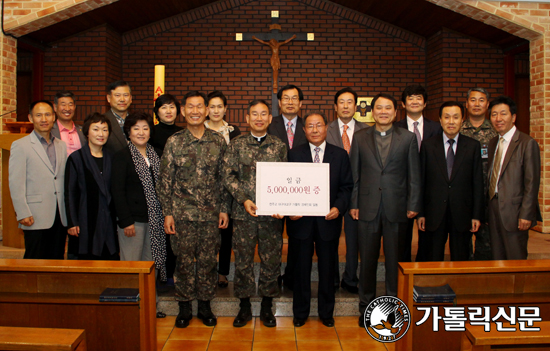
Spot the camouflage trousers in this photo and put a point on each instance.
(200, 242)
(483, 243)
(267, 234)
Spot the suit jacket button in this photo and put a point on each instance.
(449, 187)
(380, 189)
(444, 200)
(54, 178)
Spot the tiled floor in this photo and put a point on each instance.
(346, 335)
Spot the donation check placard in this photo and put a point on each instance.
(292, 189)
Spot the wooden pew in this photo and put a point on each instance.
(475, 338)
(43, 339)
(65, 294)
(477, 284)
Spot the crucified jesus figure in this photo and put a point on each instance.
(275, 61)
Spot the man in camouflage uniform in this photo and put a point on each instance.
(480, 128)
(195, 205)
(240, 180)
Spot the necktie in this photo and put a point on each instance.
(317, 159)
(496, 169)
(450, 158)
(345, 139)
(417, 133)
(289, 134)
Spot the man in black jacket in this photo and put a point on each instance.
(452, 179)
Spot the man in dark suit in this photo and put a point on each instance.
(119, 96)
(386, 174)
(289, 127)
(64, 128)
(514, 179)
(324, 232)
(414, 100)
(452, 183)
(340, 133)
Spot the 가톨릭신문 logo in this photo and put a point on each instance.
(387, 319)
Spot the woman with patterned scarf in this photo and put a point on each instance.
(141, 233)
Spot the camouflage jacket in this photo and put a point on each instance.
(484, 133)
(189, 185)
(239, 174)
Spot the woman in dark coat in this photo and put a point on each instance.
(166, 109)
(91, 221)
(217, 107)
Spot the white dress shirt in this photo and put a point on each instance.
(420, 127)
(321, 152)
(505, 143)
(446, 144)
(351, 128)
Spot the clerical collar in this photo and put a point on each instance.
(387, 132)
(260, 139)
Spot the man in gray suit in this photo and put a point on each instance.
(387, 191)
(64, 128)
(340, 133)
(36, 180)
(119, 96)
(514, 180)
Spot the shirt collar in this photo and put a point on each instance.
(508, 136)
(259, 139)
(351, 124)
(420, 121)
(62, 128)
(446, 138)
(41, 138)
(322, 146)
(289, 120)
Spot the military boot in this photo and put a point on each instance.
(266, 315)
(185, 315)
(205, 313)
(245, 313)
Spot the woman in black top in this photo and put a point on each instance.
(91, 221)
(135, 173)
(217, 106)
(166, 109)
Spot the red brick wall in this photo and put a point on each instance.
(84, 64)
(204, 55)
(200, 52)
(456, 64)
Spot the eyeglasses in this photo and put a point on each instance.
(287, 99)
(313, 126)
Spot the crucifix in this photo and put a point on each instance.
(275, 39)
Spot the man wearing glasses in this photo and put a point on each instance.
(289, 127)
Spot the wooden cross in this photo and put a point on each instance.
(275, 39)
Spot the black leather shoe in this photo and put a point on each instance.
(349, 288)
(362, 321)
(243, 317)
(161, 314)
(298, 322)
(328, 322)
(185, 314)
(268, 318)
(206, 315)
